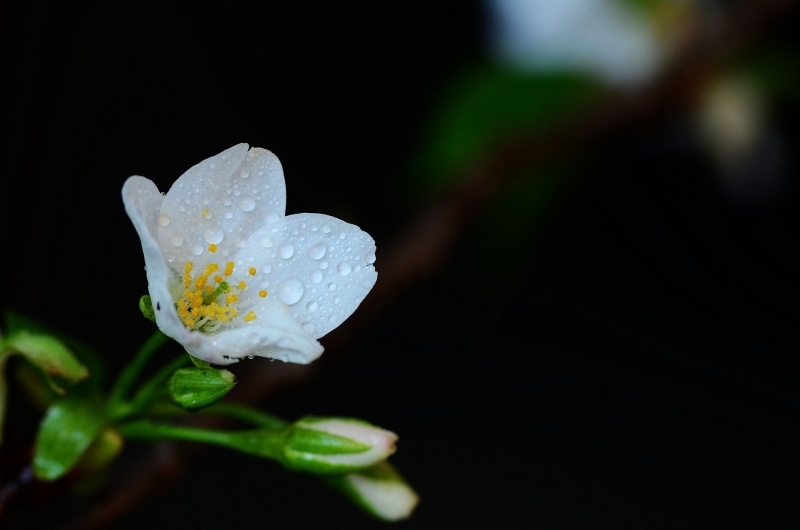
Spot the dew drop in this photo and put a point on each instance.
(331, 286)
(344, 269)
(226, 202)
(176, 240)
(286, 251)
(370, 258)
(326, 228)
(213, 235)
(267, 242)
(337, 299)
(266, 269)
(309, 327)
(163, 219)
(323, 264)
(316, 276)
(228, 215)
(317, 251)
(342, 235)
(312, 306)
(290, 291)
(207, 215)
(244, 173)
(197, 250)
(271, 217)
(247, 204)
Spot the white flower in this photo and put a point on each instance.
(603, 37)
(230, 277)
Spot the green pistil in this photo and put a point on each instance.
(221, 288)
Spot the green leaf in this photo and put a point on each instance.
(146, 307)
(200, 363)
(66, 432)
(47, 354)
(87, 356)
(485, 107)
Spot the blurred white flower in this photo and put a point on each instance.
(605, 38)
(230, 277)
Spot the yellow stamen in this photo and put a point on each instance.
(218, 278)
(231, 299)
(187, 274)
(249, 317)
(212, 248)
(209, 289)
(242, 285)
(262, 294)
(252, 271)
(229, 268)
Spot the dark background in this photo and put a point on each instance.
(635, 366)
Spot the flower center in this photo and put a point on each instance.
(209, 301)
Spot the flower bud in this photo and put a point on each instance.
(380, 491)
(335, 445)
(197, 388)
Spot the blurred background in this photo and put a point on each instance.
(586, 309)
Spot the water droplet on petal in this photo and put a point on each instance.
(206, 214)
(228, 215)
(309, 327)
(290, 291)
(271, 217)
(197, 250)
(316, 276)
(267, 242)
(247, 204)
(336, 299)
(344, 269)
(323, 264)
(312, 306)
(266, 269)
(244, 173)
(317, 251)
(176, 240)
(370, 258)
(342, 235)
(213, 235)
(163, 219)
(326, 228)
(331, 286)
(286, 251)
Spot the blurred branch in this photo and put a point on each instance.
(426, 246)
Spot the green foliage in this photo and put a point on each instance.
(488, 105)
(48, 355)
(66, 432)
(146, 307)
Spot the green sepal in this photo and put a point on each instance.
(200, 363)
(146, 307)
(196, 388)
(301, 440)
(67, 430)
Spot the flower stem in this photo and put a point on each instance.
(247, 414)
(129, 374)
(149, 391)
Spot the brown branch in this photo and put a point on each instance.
(426, 246)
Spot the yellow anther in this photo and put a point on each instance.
(212, 248)
(187, 274)
(231, 299)
(252, 271)
(262, 294)
(209, 289)
(200, 282)
(218, 278)
(229, 268)
(242, 285)
(249, 317)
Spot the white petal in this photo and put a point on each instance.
(273, 334)
(321, 268)
(221, 201)
(142, 202)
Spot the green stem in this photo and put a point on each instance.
(263, 443)
(247, 414)
(129, 374)
(150, 390)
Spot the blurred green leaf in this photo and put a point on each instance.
(491, 103)
(49, 355)
(87, 356)
(66, 432)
